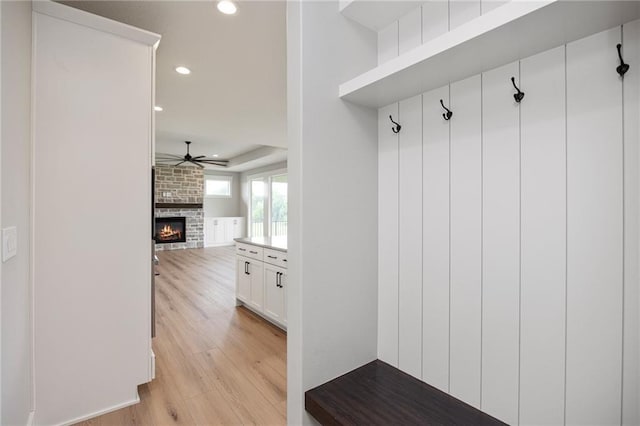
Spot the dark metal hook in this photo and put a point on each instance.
(517, 96)
(397, 127)
(447, 115)
(622, 68)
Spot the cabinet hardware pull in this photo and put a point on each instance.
(246, 268)
(272, 257)
(241, 249)
(253, 252)
(284, 260)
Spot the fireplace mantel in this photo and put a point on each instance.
(178, 205)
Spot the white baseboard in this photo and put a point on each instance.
(101, 412)
(30, 418)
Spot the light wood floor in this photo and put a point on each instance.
(215, 363)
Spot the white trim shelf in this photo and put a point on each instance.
(513, 31)
(376, 15)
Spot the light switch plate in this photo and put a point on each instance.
(9, 243)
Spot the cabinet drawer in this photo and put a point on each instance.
(275, 257)
(249, 250)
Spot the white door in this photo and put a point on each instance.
(243, 280)
(274, 293)
(255, 270)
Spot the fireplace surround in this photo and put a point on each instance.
(169, 230)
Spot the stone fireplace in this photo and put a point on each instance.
(179, 192)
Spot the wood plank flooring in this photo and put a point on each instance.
(215, 363)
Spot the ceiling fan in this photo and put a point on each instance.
(200, 160)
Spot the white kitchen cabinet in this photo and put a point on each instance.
(275, 293)
(250, 279)
(261, 279)
(220, 231)
(243, 281)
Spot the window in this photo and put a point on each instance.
(268, 209)
(217, 186)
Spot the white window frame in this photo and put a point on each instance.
(221, 178)
(267, 199)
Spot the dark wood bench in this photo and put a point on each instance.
(379, 394)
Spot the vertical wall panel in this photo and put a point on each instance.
(435, 240)
(462, 11)
(435, 19)
(410, 237)
(487, 6)
(387, 237)
(466, 244)
(410, 30)
(388, 42)
(500, 243)
(543, 239)
(594, 235)
(631, 51)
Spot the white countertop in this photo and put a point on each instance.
(276, 243)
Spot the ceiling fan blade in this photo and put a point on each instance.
(199, 157)
(210, 160)
(176, 165)
(161, 155)
(199, 165)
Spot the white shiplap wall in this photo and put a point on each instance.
(509, 238)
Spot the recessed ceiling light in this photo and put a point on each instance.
(157, 108)
(227, 7)
(215, 155)
(183, 70)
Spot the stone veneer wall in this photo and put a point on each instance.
(184, 184)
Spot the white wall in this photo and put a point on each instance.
(224, 207)
(332, 174)
(92, 292)
(533, 210)
(16, 200)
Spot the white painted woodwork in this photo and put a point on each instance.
(274, 296)
(513, 31)
(92, 269)
(410, 237)
(221, 231)
(487, 6)
(435, 240)
(257, 281)
(435, 19)
(388, 43)
(500, 243)
(630, 391)
(243, 280)
(410, 31)
(594, 234)
(462, 11)
(466, 240)
(543, 238)
(376, 15)
(388, 227)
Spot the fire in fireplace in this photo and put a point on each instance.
(171, 230)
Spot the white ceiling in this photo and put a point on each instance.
(234, 100)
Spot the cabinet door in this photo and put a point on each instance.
(243, 279)
(237, 227)
(274, 297)
(228, 230)
(208, 232)
(255, 269)
(218, 231)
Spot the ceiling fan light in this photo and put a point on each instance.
(227, 7)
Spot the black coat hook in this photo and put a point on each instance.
(517, 96)
(397, 127)
(622, 68)
(447, 115)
